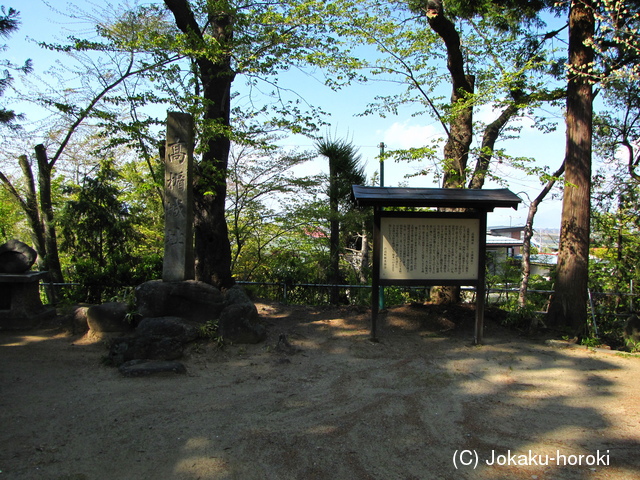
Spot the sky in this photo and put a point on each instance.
(40, 22)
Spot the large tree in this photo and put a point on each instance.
(221, 41)
(569, 304)
(495, 56)
(185, 55)
(603, 49)
(81, 92)
(215, 74)
(503, 37)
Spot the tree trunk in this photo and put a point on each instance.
(334, 233)
(52, 259)
(334, 262)
(37, 228)
(364, 255)
(212, 247)
(491, 134)
(528, 234)
(30, 207)
(456, 150)
(460, 135)
(568, 306)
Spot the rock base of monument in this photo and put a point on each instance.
(168, 316)
(198, 303)
(20, 304)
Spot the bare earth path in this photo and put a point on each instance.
(340, 407)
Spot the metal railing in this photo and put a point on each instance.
(359, 294)
(287, 292)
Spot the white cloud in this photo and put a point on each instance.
(405, 135)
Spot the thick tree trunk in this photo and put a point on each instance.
(52, 260)
(456, 149)
(30, 207)
(212, 247)
(568, 306)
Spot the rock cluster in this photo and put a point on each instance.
(199, 303)
(167, 318)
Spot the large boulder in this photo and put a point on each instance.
(191, 300)
(16, 257)
(108, 317)
(125, 349)
(631, 332)
(75, 319)
(162, 338)
(173, 327)
(239, 321)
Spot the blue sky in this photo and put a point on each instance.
(39, 22)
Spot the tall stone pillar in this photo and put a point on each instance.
(178, 199)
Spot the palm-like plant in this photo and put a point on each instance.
(345, 170)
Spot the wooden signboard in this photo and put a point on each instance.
(430, 248)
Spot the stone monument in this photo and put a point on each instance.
(172, 309)
(178, 199)
(20, 304)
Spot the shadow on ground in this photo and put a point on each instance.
(332, 405)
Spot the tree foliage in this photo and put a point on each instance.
(11, 217)
(217, 42)
(9, 23)
(509, 69)
(473, 67)
(615, 215)
(100, 237)
(266, 203)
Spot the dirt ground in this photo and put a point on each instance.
(422, 403)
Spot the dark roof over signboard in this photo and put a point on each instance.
(434, 197)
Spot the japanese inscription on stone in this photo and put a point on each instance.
(429, 248)
(178, 199)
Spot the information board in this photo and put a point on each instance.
(419, 248)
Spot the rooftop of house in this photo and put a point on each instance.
(501, 241)
(514, 228)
